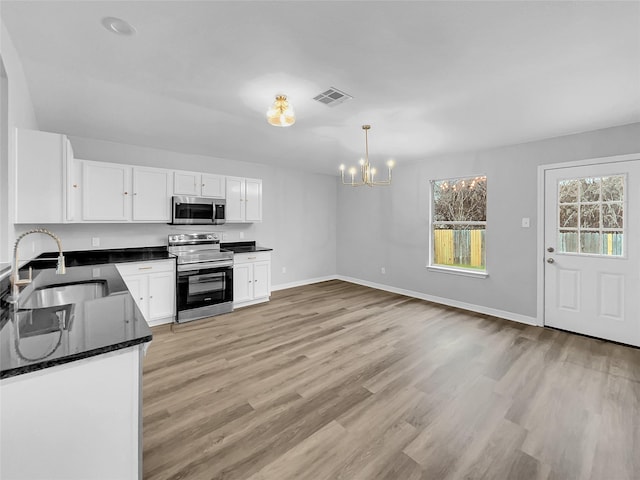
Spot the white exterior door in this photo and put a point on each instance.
(592, 254)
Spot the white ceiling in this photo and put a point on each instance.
(430, 77)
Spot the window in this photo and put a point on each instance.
(591, 215)
(459, 221)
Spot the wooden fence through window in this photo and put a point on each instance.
(464, 248)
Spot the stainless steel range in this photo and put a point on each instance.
(205, 275)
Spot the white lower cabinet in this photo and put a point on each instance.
(76, 421)
(251, 278)
(153, 287)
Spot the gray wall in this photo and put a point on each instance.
(388, 226)
(298, 211)
(17, 111)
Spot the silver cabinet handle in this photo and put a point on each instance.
(550, 260)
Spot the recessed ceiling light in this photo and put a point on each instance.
(118, 26)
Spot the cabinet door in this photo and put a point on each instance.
(41, 177)
(161, 295)
(138, 287)
(261, 279)
(73, 178)
(243, 282)
(235, 199)
(213, 185)
(186, 183)
(151, 194)
(253, 200)
(106, 192)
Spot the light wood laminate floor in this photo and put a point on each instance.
(339, 381)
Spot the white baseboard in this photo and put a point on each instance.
(250, 302)
(160, 321)
(301, 283)
(516, 317)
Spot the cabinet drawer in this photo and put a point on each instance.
(155, 266)
(251, 257)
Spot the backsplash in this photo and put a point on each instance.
(83, 236)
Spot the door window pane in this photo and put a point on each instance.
(568, 241)
(612, 214)
(568, 191)
(591, 215)
(569, 215)
(590, 189)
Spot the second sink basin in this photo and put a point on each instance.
(55, 295)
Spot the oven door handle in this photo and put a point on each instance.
(200, 266)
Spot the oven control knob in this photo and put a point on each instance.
(182, 237)
(209, 237)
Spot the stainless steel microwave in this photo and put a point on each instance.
(187, 210)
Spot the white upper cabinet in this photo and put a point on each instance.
(213, 185)
(244, 200)
(106, 192)
(253, 200)
(151, 194)
(198, 184)
(235, 199)
(186, 183)
(53, 187)
(44, 164)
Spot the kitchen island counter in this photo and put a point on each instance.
(34, 339)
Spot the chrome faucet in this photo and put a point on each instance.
(16, 281)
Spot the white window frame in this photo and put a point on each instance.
(466, 272)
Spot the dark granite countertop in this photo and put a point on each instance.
(34, 339)
(244, 247)
(4, 268)
(96, 257)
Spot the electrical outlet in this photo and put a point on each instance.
(383, 270)
(241, 235)
(95, 242)
(284, 269)
(525, 222)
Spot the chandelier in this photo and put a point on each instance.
(367, 172)
(281, 113)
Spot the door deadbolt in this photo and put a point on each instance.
(550, 249)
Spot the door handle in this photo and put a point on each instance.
(550, 260)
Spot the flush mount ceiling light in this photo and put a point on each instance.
(118, 26)
(281, 113)
(368, 172)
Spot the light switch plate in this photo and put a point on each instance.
(95, 241)
(526, 222)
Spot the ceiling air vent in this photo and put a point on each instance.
(332, 97)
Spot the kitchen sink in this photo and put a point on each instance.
(56, 295)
